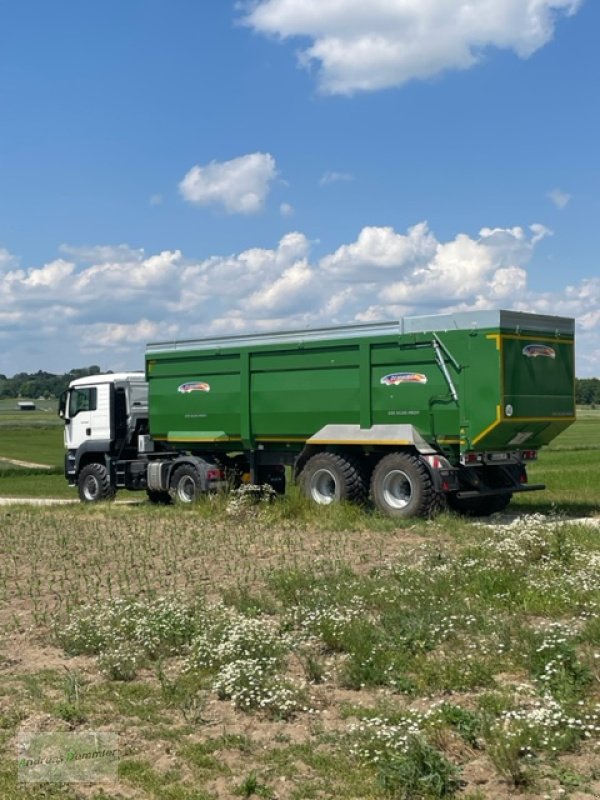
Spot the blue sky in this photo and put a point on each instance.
(180, 169)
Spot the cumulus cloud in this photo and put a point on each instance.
(109, 301)
(383, 43)
(379, 250)
(115, 336)
(240, 185)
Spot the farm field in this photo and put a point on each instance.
(281, 651)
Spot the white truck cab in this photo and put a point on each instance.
(108, 446)
(93, 406)
(103, 415)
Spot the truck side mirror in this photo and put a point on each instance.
(62, 405)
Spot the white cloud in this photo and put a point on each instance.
(379, 250)
(240, 185)
(7, 260)
(559, 198)
(335, 177)
(50, 275)
(295, 290)
(100, 336)
(383, 43)
(111, 300)
(286, 210)
(98, 254)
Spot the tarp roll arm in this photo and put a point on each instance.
(439, 349)
(457, 366)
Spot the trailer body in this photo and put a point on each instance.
(455, 402)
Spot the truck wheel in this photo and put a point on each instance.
(186, 485)
(329, 478)
(401, 486)
(94, 484)
(159, 498)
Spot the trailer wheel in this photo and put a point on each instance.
(401, 486)
(186, 485)
(159, 498)
(330, 478)
(94, 485)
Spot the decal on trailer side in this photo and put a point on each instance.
(186, 388)
(396, 378)
(535, 350)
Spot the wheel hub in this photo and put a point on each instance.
(186, 490)
(397, 489)
(323, 487)
(91, 488)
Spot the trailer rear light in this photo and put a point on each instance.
(215, 474)
(471, 458)
(529, 455)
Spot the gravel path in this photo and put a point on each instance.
(55, 501)
(36, 501)
(29, 464)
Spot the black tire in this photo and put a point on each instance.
(330, 478)
(401, 487)
(480, 506)
(94, 485)
(186, 485)
(159, 498)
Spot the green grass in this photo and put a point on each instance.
(44, 414)
(40, 445)
(571, 478)
(582, 435)
(35, 483)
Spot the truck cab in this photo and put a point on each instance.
(103, 416)
(108, 446)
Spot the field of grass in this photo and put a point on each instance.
(284, 651)
(44, 414)
(583, 435)
(278, 651)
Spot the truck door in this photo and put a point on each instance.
(87, 415)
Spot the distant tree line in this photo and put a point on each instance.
(46, 384)
(587, 391)
(41, 384)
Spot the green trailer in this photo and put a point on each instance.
(416, 414)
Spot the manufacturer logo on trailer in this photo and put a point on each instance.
(186, 388)
(536, 350)
(396, 378)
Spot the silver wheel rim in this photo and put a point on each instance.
(91, 488)
(397, 489)
(186, 489)
(322, 487)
